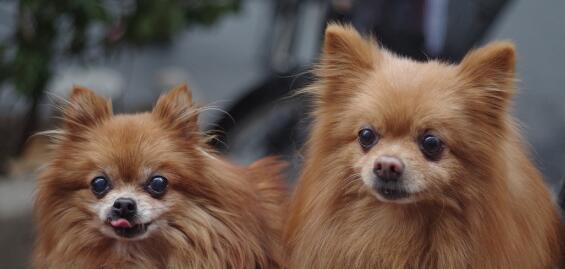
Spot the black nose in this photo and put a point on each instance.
(124, 208)
(388, 168)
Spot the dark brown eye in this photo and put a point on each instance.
(156, 186)
(100, 186)
(431, 146)
(367, 138)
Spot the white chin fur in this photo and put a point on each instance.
(412, 186)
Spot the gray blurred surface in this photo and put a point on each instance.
(16, 228)
(222, 61)
(538, 29)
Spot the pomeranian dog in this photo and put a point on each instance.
(417, 165)
(145, 191)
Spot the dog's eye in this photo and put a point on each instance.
(100, 186)
(367, 138)
(156, 186)
(431, 146)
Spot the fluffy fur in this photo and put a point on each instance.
(213, 214)
(482, 204)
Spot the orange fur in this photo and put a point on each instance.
(214, 214)
(481, 205)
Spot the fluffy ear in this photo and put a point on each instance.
(176, 110)
(85, 110)
(489, 72)
(346, 57)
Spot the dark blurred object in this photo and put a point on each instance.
(280, 41)
(397, 25)
(267, 121)
(421, 28)
(47, 31)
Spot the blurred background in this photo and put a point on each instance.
(244, 59)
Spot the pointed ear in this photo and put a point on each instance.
(346, 57)
(490, 71)
(346, 49)
(85, 110)
(176, 110)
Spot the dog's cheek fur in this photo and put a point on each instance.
(62, 210)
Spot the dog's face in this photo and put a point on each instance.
(127, 176)
(404, 130)
(411, 131)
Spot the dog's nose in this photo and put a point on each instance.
(388, 168)
(124, 208)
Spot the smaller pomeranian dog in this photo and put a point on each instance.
(145, 191)
(417, 165)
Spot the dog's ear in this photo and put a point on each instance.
(489, 71)
(85, 110)
(346, 58)
(176, 110)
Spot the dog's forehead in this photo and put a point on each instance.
(408, 96)
(130, 133)
(407, 77)
(129, 145)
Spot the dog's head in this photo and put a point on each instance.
(410, 130)
(125, 177)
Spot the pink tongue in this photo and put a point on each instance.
(121, 223)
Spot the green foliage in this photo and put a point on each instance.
(49, 29)
(30, 71)
(157, 21)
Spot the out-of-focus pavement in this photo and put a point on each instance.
(222, 61)
(16, 227)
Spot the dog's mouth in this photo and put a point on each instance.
(392, 193)
(126, 228)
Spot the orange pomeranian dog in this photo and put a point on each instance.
(417, 165)
(144, 191)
